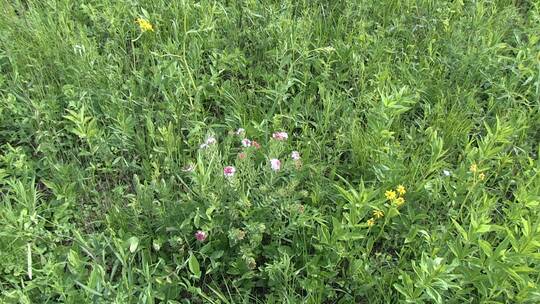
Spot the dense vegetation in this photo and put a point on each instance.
(126, 177)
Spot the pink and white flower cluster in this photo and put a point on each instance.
(281, 136)
(248, 144)
(201, 235)
(230, 171)
(275, 164)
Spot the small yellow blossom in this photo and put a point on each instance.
(370, 222)
(473, 168)
(399, 201)
(145, 25)
(401, 190)
(481, 176)
(378, 214)
(390, 195)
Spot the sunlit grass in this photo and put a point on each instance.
(269, 152)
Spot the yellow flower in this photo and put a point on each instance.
(370, 222)
(481, 176)
(401, 190)
(399, 201)
(473, 168)
(144, 25)
(378, 214)
(390, 195)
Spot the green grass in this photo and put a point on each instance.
(98, 120)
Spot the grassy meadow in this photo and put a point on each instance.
(289, 151)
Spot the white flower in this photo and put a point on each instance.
(246, 142)
(240, 131)
(275, 164)
(209, 141)
(189, 168)
(295, 155)
(446, 173)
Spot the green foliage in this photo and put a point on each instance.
(104, 183)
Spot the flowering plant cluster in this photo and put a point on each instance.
(246, 143)
(254, 161)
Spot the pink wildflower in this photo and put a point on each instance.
(275, 164)
(280, 136)
(295, 155)
(229, 171)
(246, 142)
(256, 144)
(242, 155)
(201, 235)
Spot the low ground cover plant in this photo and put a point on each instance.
(269, 152)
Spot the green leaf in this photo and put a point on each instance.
(352, 236)
(483, 228)
(486, 247)
(133, 243)
(216, 254)
(194, 267)
(73, 259)
(392, 212)
(461, 230)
